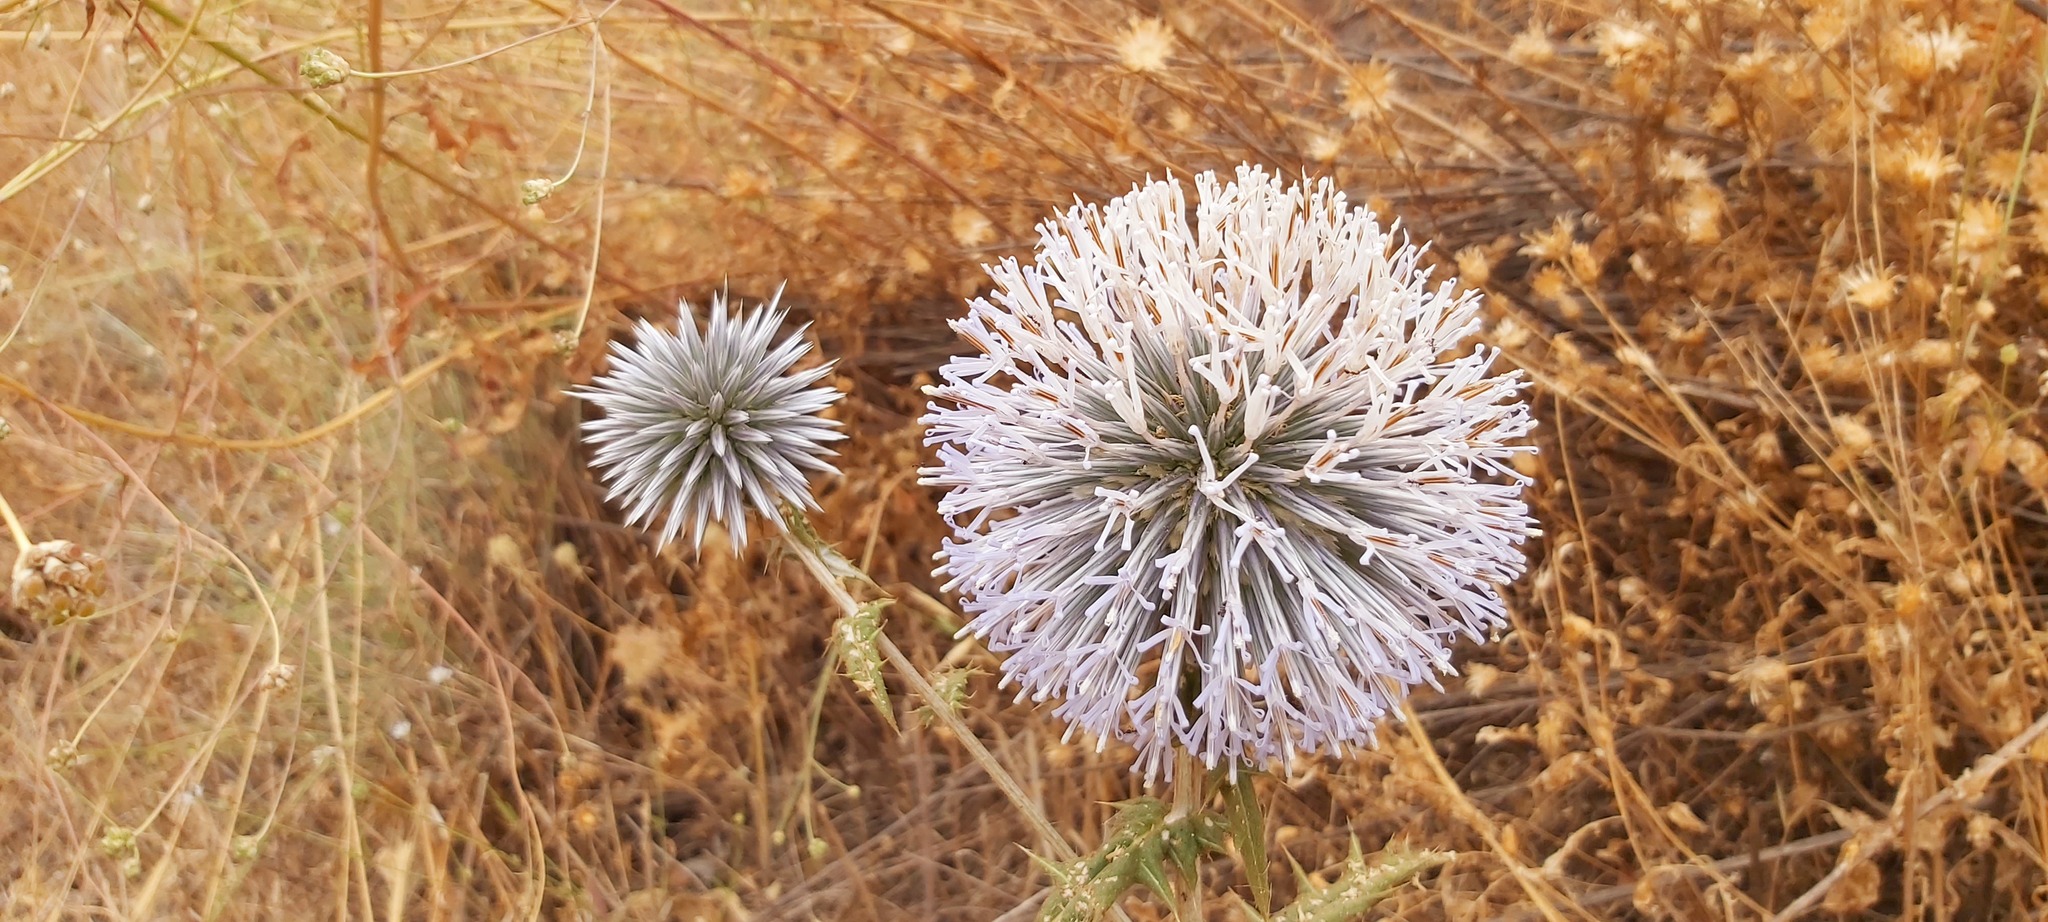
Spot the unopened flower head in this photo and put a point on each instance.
(1226, 477)
(700, 426)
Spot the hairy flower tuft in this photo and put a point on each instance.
(1223, 475)
(698, 427)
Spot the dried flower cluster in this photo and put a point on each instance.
(700, 427)
(1226, 476)
(57, 581)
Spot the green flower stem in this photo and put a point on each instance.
(810, 550)
(1190, 784)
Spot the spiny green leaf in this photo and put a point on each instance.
(854, 638)
(1301, 881)
(1150, 870)
(1143, 837)
(1247, 824)
(951, 684)
(1190, 839)
(1360, 885)
(1071, 898)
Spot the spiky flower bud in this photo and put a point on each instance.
(1224, 475)
(698, 427)
(57, 582)
(322, 68)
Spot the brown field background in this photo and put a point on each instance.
(291, 360)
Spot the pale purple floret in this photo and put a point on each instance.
(698, 427)
(1228, 479)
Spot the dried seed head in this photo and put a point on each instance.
(1145, 45)
(972, 228)
(1868, 286)
(278, 677)
(1623, 44)
(701, 426)
(533, 191)
(1224, 475)
(1368, 90)
(57, 582)
(62, 757)
(1532, 47)
(117, 841)
(322, 68)
(1683, 168)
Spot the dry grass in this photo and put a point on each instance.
(290, 359)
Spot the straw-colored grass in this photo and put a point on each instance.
(291, 359)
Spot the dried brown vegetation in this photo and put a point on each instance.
(289, 360)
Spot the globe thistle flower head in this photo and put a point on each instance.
(701, 426)
(1226, 479)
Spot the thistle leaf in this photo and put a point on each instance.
(1071, 899)
(951, 684)
(1143, 837)
(1149, 867)
(1247, 824)
(1361, 884)
(854, 638)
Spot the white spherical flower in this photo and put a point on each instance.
(698, 427)
(1226, 478)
